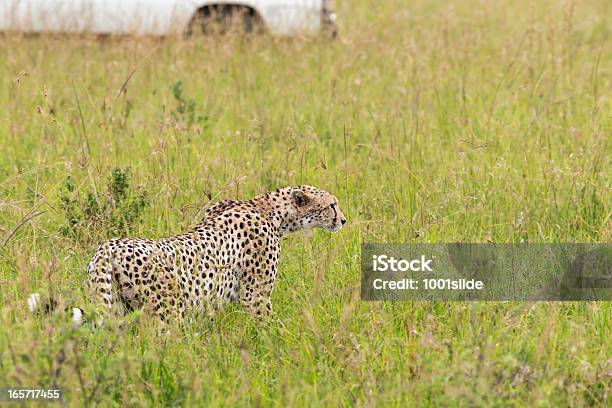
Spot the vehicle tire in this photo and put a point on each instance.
(225, 19)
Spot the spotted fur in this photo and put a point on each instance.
(230, 256)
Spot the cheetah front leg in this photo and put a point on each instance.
(256, 289)
(256, 285)
(255, 304)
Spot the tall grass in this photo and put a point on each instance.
(431, 121)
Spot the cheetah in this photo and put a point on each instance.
(231, 255)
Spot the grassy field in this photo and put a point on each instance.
(467, 121)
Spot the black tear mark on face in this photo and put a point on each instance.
(335, 216)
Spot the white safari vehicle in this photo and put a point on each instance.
(167, 17)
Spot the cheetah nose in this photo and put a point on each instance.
(343, 221)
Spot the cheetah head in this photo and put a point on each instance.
(316, 208)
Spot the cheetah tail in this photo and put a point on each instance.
(36, 305)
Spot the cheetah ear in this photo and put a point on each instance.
(299, 198)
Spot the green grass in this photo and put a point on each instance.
(447, 121)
